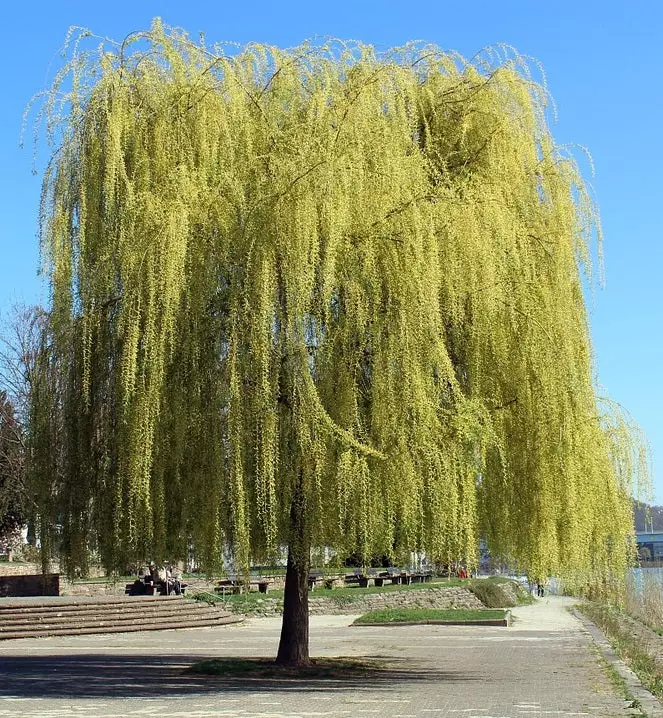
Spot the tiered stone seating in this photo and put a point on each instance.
(24, 618)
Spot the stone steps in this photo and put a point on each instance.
(118, 615)
(48, 603)
(126, 610)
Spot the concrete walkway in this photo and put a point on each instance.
(544, 665)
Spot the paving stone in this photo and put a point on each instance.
(542, 666)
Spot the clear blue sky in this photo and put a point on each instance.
(603, 64)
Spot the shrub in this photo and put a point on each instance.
(499, 592)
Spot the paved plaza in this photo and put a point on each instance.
(544, 665)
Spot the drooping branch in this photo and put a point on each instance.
(320, 264)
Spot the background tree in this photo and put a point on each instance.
(319, 297)
(12, 487)
(20, 335)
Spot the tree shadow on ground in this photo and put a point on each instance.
(129, 676)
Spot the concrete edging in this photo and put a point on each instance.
(503, 622)
(650, 704)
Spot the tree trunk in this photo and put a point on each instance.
(293, 646)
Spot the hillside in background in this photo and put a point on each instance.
(647, 518)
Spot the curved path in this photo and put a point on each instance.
(544, 665)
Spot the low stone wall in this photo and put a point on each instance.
(110, 588)
(14, 568)
(92, 588)
(364, 602)
(18, 568)
(40, 584)
(419, 598)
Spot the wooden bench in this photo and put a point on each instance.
(239, 585)
(333, 581)
(166, 590)
(228, 585)
(141, 587)
(392, 575)
(147, 587)
(421, 577)
(359, 578)
(315, 578)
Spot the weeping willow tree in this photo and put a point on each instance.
(319, 297)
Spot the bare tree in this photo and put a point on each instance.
(20, 339)
(13, 496)
(21, 334)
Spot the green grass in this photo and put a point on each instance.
(357, 592)
(242, 603)
(426, 615)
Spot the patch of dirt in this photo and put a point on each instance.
(649, 640)
(268, 668)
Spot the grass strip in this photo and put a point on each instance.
(631, 649)
(428, 615)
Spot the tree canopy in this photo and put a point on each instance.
(322, 282)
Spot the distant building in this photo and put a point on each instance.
(650, 546)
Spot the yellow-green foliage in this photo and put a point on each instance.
(359, 273)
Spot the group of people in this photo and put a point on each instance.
(164, 575)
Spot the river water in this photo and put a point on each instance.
(640, 577)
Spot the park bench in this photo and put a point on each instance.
(141, 587)
(235, 585)
(145, 586)
(225, 586)
(333, 581)
(392, 575)
(359, 578)
(261, 583)
(315, 578)
(421, 576)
